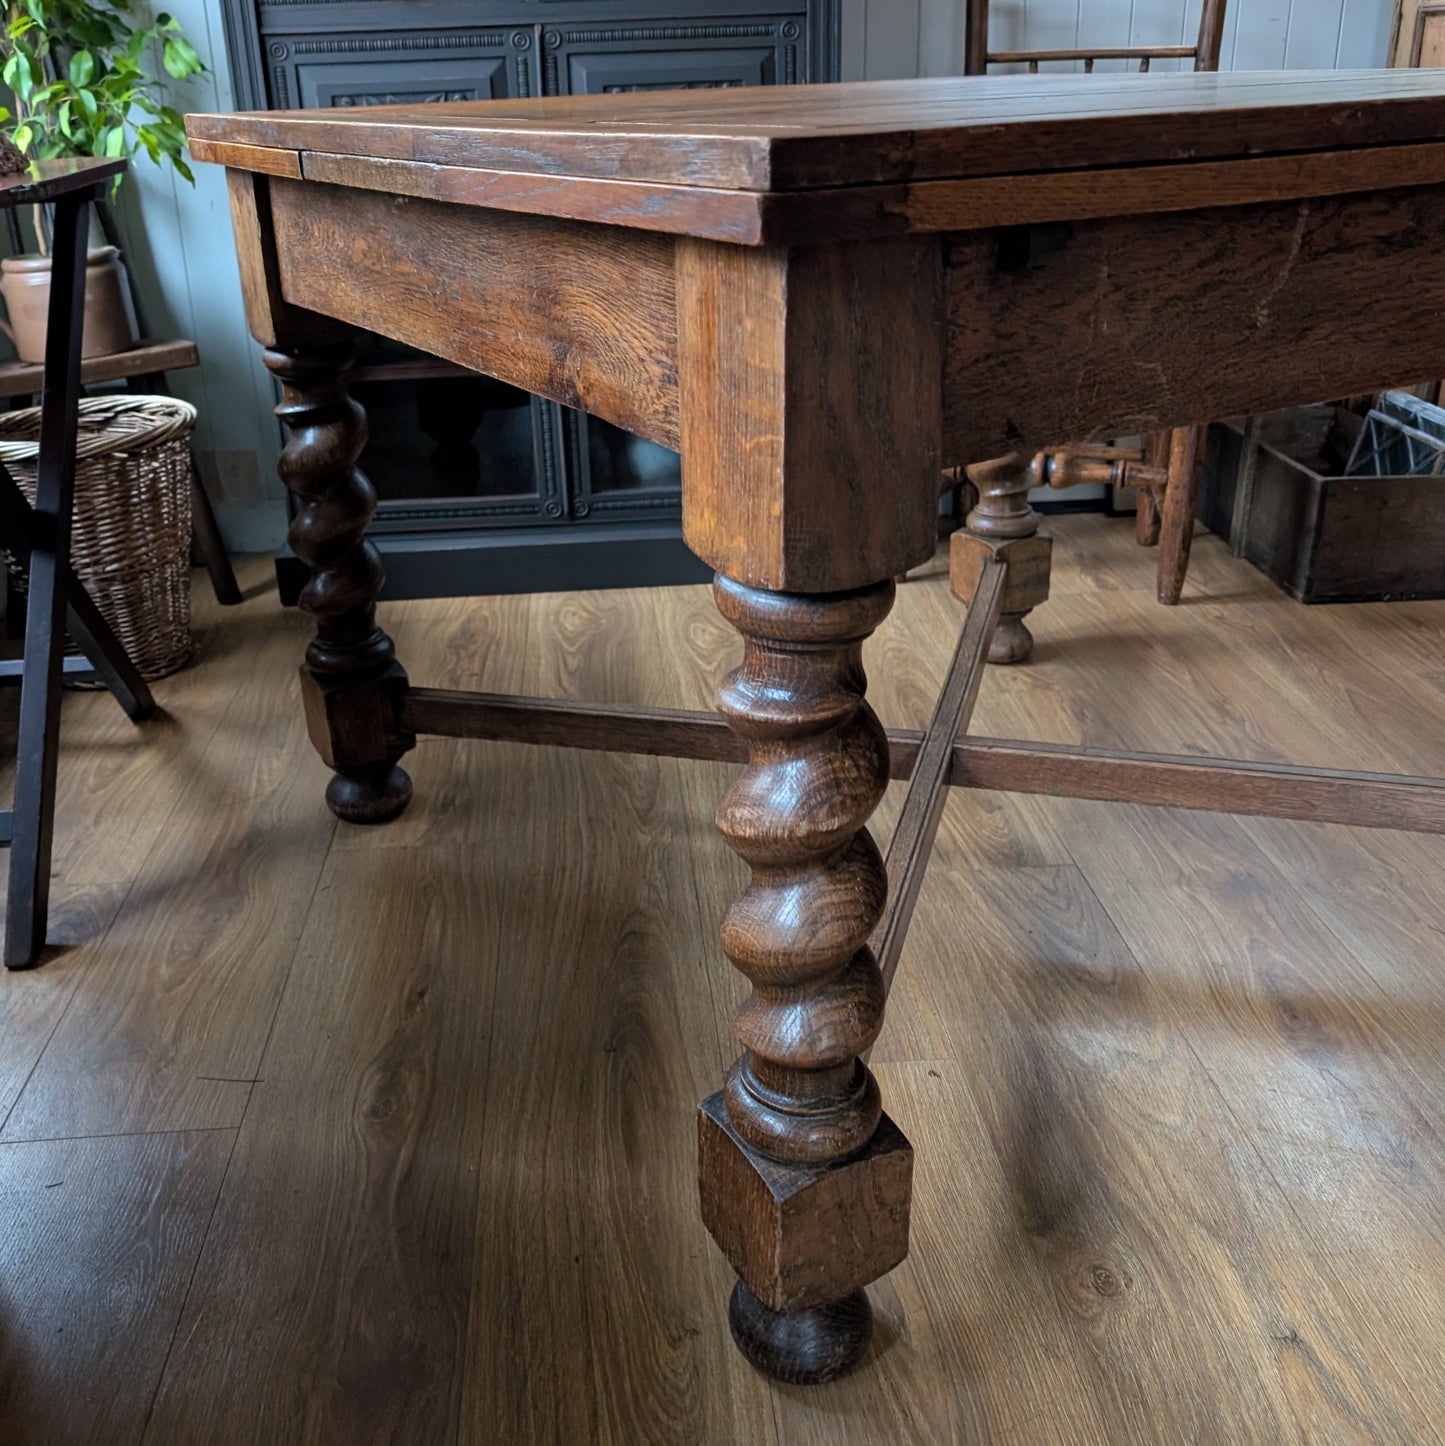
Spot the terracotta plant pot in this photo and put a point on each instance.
(109, 317)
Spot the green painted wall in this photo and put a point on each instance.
(180, 251)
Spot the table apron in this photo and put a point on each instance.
(581, 313)
(1084, 330)
(1049, 332)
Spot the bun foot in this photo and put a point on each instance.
(369, 795)
(1012, 642)
(805, 1347)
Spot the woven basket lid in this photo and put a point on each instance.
(123, 423)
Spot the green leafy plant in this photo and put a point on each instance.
(80, 74)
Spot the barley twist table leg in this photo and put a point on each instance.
(805, 1181)
(351, 680)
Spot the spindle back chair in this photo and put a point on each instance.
(977, 57)
(1166, 468)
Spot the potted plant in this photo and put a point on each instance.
(83, 79)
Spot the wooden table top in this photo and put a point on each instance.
(792, 137)
(792, 164)
(55, 178)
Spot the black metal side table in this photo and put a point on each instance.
(39, 537)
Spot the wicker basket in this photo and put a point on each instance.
(130, 544)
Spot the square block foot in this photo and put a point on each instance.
(1029, 563)
(804, 1235)
(353, 721)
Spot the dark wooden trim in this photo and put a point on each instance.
(24, 379)
(1094, 52)
(1211, 785)
(996, 397)
(57, 180)
(975, 39)
(556, 723)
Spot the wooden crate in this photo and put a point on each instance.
(1274, 490)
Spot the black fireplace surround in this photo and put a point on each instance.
(483, 488)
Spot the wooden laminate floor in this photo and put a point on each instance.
(316, 1134)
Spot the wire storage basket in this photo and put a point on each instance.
(131, 538)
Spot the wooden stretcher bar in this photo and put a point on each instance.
(1213, 785)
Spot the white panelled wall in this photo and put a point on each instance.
(889, 38)
(184, 261)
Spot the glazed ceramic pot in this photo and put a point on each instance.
(109, 317)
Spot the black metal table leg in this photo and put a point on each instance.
(35, 763)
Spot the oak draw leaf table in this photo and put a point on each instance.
(820, 296)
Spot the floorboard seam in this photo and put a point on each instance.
(125, 1134)
(191, 1281)
(1322, 1262)
(239, 1125)
(162, 836)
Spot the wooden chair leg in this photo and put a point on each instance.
(1146, 519)
(39, 733)
(1181, 498)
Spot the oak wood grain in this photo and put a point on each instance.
(1264, 1020)
(587, 1082)
(171, 1036)
(555, 307)
(272, 320)
(854, 134)
(104, 1236)
(1216, 785)
(1299, 1216)
(721, 215)
(265, 160)
(911, 845)
(79, 915)
(808, 382)
(1117, 1155)
(369, 1243)
(1223, 311)
(787, 218)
